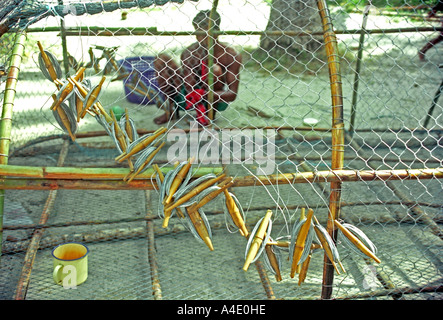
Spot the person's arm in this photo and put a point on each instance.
(232, 79)
(189, 69)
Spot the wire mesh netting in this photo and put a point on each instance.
(222, 149)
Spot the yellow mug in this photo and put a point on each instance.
(70, 264)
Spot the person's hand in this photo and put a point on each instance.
(194, 97)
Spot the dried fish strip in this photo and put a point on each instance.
(142, 158)
(48, 64)
(170, 177)
(304, 268)
(108, 127)
(328, 245)
(258, 239)
(300, 241)
(234, 214)
(92, 97)
(147, 162)
(199, 226)
(273, 260)
(198, 189)
(139, 144)
(118, 135)
(186, 188)
(66, 119)
(179, 177)
(355, 238)
(128, 126)
(66, 89)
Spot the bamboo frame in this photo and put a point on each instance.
(8, 103)
(337, 137)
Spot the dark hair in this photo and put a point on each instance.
(201, 20)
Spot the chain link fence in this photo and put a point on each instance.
(324, 113)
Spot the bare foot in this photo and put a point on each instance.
(161, 119)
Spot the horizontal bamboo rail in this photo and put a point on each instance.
(47, 178)
(72, 173)
(109, 32)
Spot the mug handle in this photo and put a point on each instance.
(56, 272)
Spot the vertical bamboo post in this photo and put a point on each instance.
(6, 120)
(357, 68)
(211, 61)
(64, 43)
(337, 136)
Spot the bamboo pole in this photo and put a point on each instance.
(6, 121)
(23, 282)
(337, 136)
(81, 180)
(152, 257)
(137, 31)
(265, 280)
(64, 43)
(211, 42)
(361, 42)
(74, 173)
